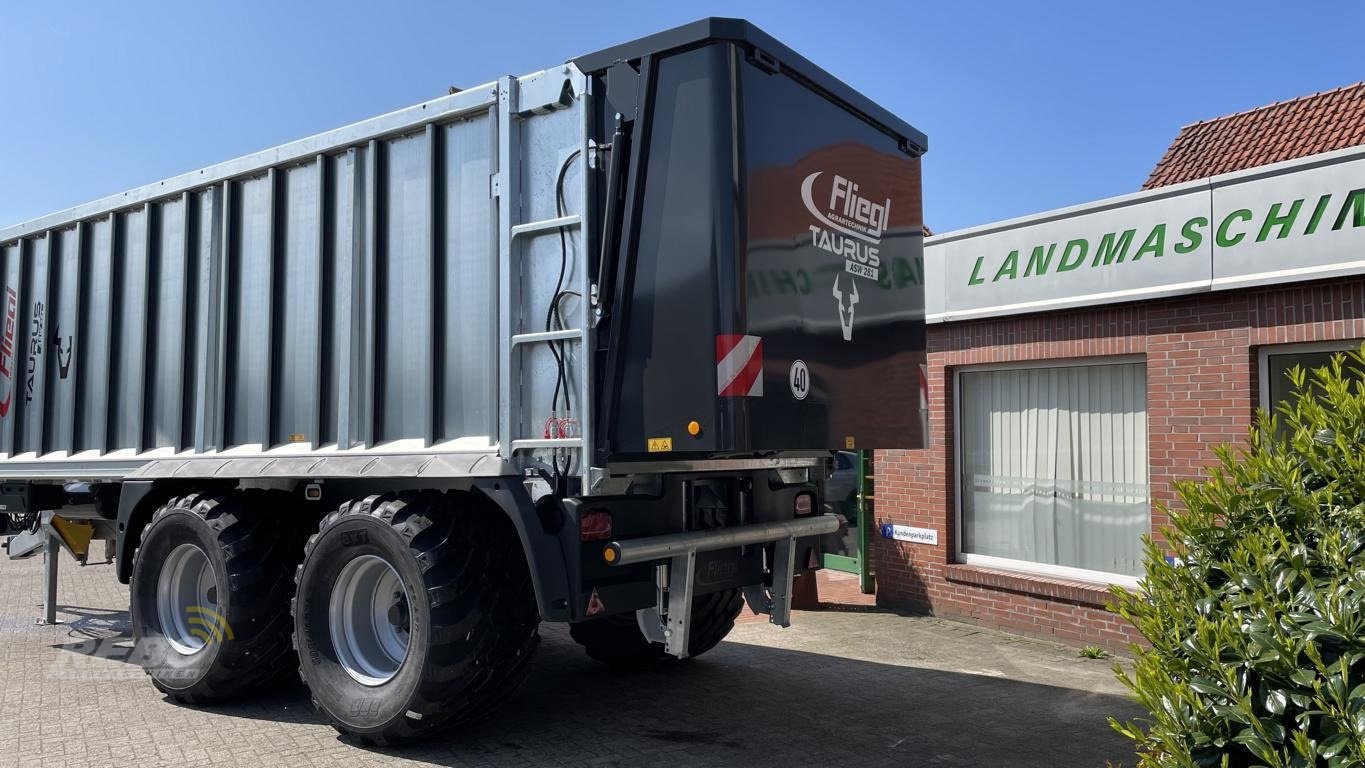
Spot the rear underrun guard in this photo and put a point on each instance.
(669, 620)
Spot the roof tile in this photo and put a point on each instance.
(1309, 125)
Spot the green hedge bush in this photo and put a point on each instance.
(1257, 620)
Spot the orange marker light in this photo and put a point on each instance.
(609, 555)
(693, 428)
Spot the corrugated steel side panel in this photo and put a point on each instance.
(340, 298)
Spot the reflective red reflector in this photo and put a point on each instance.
(595, 525)
(805, 504)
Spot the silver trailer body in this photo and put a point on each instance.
(366, 302)
(522, 332)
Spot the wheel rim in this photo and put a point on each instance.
(187, 600)
(369, 620)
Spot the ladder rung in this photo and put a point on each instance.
(530, 227)
(553, 442)
(572, 334)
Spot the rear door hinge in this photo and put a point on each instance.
(765, 61)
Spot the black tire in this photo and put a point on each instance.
(618, 642)
(250, 545)
(471, 615)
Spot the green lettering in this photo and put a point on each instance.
(784, 281)
(1222, 237)
(1274, 219)
(1356, 201)
(1193, 237)
(1010, 267)
(1318, 210)
(802, 282)
(1038, 261)
(756, 284)
(976, 270)
(1110, 250)
(1079, 248)
(1155, 243)
(904, 274)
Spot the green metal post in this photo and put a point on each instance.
(866, 520)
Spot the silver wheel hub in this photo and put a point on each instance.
(369, 621)
(187, 600)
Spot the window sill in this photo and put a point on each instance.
(1037, 585)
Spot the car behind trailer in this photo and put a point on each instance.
(576, 346)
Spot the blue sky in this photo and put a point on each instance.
(1026, 109)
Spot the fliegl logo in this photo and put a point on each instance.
(7, 351)
(850, 225)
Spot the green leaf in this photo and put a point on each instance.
(1256, 642)
(1275, 702)
(1208, 687)
(1333, 745)
(1235, 714)
(1273, 729)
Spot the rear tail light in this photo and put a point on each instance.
(805, 504)
(594, 525)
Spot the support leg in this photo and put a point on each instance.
(784, 568)
(51, 550)
(681, 570)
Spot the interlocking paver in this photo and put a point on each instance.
(835, 689)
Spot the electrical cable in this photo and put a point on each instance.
(551, 314)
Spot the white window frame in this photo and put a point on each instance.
(1024, 566)
(1264, 352)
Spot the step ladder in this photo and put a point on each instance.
(522, 424)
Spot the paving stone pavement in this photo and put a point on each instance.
(838, 688)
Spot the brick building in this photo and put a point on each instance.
(1082, 361)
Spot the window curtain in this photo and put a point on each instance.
(1054, 465)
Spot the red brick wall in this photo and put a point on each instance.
(1201, 392)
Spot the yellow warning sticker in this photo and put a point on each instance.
(660, 444)
(848, 442)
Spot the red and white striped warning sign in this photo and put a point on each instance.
(739, 366)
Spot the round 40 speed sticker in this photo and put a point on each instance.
(799, 379)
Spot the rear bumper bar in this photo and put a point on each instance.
(674, 574)
(643, 550)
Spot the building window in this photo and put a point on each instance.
(1053, 469)
(1278, 360)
